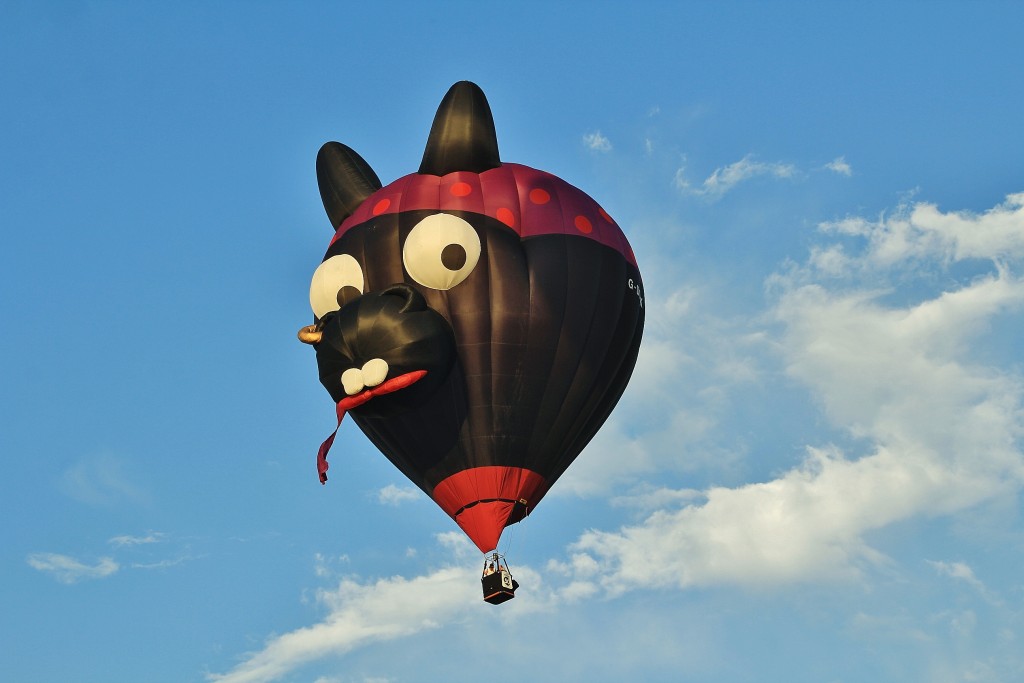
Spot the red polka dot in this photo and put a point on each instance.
(604, 215)
(583, 224)
(461, 189)
(506, 216)
(381, 206)
(539, 196)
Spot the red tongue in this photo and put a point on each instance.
(349, 402)
(321, 456)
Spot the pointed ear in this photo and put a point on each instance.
(462, 137)
(345, 180)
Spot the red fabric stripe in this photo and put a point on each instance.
(460, 494)
(484, 522)
(506, 187)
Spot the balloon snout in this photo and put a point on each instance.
(310, 335)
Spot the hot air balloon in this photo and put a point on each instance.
(478, 319)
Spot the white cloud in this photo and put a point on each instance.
(127, 540)
(160, 564)
(752, 535)
(457, 543)
(840, 166)
(68, 570)
(324, 565)
(363, 679)
(725, 178)
(360, 614)
(894, 373)
(805, 526)
(650, 499)
(831, 261)
(101, 480)
(961, 571)
(597, 142)
(680, 181)
(396, 495)
(921, 231)
(941, 431)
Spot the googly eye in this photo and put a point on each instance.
(336, 281)
(441, 251)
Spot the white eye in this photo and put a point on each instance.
(441, 251)
(336, 281)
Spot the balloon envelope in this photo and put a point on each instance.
(478, 319)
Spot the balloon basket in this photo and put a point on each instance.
(496, 580)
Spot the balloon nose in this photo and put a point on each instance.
(414, 301)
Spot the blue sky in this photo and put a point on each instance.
(813, 476)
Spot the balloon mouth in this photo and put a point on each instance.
(387, 387)
(351, 402)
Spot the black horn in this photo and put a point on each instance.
(345, 180)
(462, 137)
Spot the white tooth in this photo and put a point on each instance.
(352, 380)
(375, 371)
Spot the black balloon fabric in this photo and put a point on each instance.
(478, 319)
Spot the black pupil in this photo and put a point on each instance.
(346, 294)
(453, 257)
